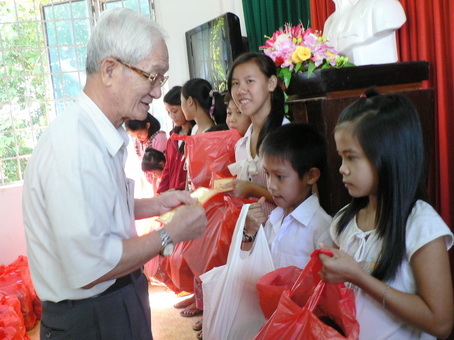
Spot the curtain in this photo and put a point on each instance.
(320, 10)
(427, 35)
(264, 17)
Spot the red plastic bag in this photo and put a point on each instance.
(313, 309)
(208, 154)
(19, 290)
(15, 280)
(212, 248)
(12, 325)
(177, 269)
(157, 268)
(271, 286)
(21, 265)
(195, 257)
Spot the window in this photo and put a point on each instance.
(42, 68)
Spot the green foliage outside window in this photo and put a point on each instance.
(42, 68)
(24, 88)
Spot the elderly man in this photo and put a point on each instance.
(79, 210)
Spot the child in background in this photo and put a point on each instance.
(253, 85)
(234, 119)
(174, 173)
(153, 163)
(294, 159)
(201, 104)
(198, 102)
(146, 133)
(393, 245)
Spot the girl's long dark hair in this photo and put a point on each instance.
(268, 68)
(211, 101)
(388, 129)
(173, 97)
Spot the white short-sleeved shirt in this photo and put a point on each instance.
(78, 205)
(248, 168)
(423, 226)
(293, 239)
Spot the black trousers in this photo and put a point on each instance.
(119, 314)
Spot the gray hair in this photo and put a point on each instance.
(124, 34)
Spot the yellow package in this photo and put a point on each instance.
(223, 184)
(202, 195)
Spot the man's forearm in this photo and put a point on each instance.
(145, 208)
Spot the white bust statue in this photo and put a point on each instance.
(365, 30)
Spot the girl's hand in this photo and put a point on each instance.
(255, 217)
(241, 188)
(247, 189)
(341, 267)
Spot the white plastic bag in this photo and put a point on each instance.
(231, 309)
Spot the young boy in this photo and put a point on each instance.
(294, 157)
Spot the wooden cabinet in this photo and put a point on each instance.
(320, 99)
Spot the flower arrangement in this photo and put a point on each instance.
(294, 49)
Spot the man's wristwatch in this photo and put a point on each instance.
(167, 245)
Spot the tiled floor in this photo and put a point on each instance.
(167, 324)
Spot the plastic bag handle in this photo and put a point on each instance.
(312, 302)
(313, 265)
(237, 236)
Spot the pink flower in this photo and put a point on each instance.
(290, 41)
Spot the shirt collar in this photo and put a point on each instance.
(246, 137)
(114, 139)
(303, 213)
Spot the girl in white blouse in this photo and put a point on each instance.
(393, 245)
(254, 87)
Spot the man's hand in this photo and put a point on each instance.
(172, 199)
(188, 223)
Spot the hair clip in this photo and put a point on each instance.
(211, 112)
(211, 94)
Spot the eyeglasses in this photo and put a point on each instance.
(154, 79)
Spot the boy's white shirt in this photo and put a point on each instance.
(292, 239)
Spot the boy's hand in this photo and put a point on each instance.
(255, 217)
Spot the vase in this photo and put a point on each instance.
(304, 86)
